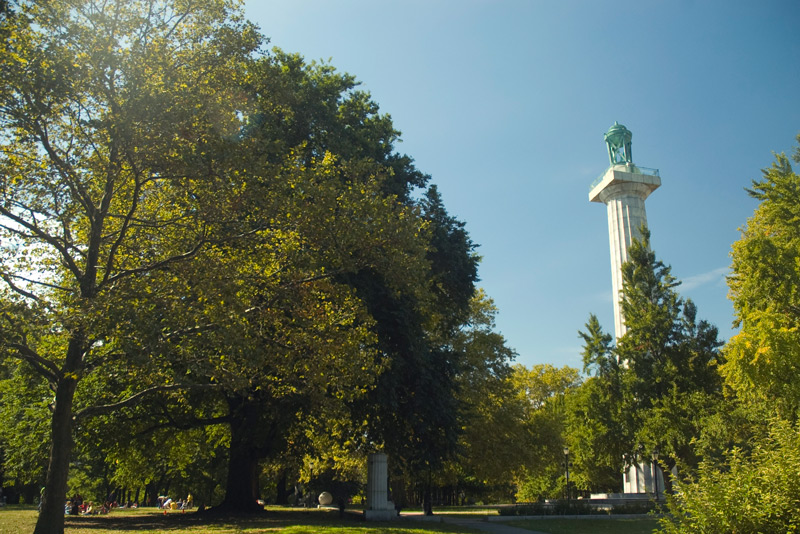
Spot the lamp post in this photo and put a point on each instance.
(566, 466)
(654, 457)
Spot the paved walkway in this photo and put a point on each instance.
(477, 522)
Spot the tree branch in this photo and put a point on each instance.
(44, 236)
(126, 223)
(157, 265)
(133, 399)
(196, 248)
(44, 367)
(66, 170)
(18, 289)
(193, 423)
(7, 277)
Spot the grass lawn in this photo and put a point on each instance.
(21, 520)
(589, 526)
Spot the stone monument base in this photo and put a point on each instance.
(379, 507)
(380, 515)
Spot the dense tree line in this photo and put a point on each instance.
(200, 234)
(219, 277)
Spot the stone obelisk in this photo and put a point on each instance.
(623, 188)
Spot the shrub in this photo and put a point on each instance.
(755, 493)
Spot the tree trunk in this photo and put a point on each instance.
(282, 491)
(51, 517)
(427, 504)
(241, 488)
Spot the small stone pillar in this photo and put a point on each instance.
(379, 507)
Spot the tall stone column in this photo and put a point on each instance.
(623, 188)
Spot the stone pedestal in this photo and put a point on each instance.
(379, 507)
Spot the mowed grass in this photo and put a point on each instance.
(21, 520)
(589, 526)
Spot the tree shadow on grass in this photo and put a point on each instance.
(179, 521)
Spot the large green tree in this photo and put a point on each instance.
(492, 416)
(748, 481)
(183, 211)
(660, 380)
(342, 221)
(112, 114)
(272, 320)
(415, 279)
(595, 419)
(764, 357)
(543, 389)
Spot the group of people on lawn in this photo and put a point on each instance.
(77, 506)
(166, 503)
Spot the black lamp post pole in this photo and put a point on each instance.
(654, 457)
(566, 466)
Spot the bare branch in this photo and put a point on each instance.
(179, 21)
(64, 168)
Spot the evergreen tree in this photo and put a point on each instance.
(655, 387)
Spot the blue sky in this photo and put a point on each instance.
(505, 103)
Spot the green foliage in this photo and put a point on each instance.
(669, 360)
(543, 390)
(748, 480)
(763, 359)
(414, 412)
(594, 429)
(494, 433)
(751, 492)
(598, 351)
(116, 123)
(655, 388)
(664, 347)
(24, 401)
(194, 232)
